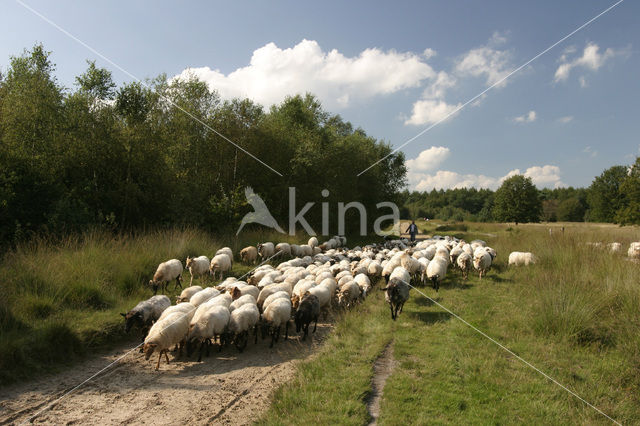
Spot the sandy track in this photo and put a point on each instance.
(228, 388)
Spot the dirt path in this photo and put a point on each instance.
(382, 369)
(228, 388)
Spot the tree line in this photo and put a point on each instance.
(158, 154)
(613, 196)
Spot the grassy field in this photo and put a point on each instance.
(574, 315)
(60, 301)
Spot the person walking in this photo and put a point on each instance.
(412, 230)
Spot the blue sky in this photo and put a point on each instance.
(392, 69)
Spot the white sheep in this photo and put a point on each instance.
(634, 250)
(166, 272)
(270, 289)
(197, 266)
(437, 270)
(275, 315)
(349, 294)
(184, 308)
(614, 247)
(277, 295)
(220, 263)
(240, 290)
(206, 325)
(249, 254)
(243, 319)
(166, 333)
(313, 242)
(284, 249)
(266, 250)
(203, 296)
(517, 258)
(187, 293)
(465, 263)
(364, 283)
(242, 300)
(323, 293)
(482, 262)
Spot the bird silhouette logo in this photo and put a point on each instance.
(260, 214)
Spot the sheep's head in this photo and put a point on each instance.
(131, 318)
(189, 261)
(236, 293)
(148, 349)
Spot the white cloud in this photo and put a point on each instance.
(591, 59)
(590, 151)
(337, 80)
(419, 180)
(429, 53)
(486, 61)
(529, 117)
(566, 119)
(429, 111)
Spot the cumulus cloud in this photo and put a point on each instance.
(566, 119)
(274, 73)
(541, 176)
(591, 59)
(486, 61)
(529, 117)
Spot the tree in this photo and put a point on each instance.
(629, 212)
(604, 195)
(517, 200)
(571, 210)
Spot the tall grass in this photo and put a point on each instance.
(59, 300)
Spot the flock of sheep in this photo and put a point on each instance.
(314, 279)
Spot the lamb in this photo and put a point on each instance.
(519, 258)
(634, 250)
(249, 254)
(197, 266)
(203, 296)
(437, 270)
(187, 293)
(465, 263)
(166, 272)
(266, 250)
(482, 262)
(243, 319)
(206, 325)
(145, 313)
(242, 300)
(308, 311)
(277, 313)
(220, 263)
(396, 294)
(166, 333)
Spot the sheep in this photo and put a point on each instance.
(349, 294)
(454, 253)
(396, 294)
(374, 269)
(465, 263)
(295, 250)
(519, 258)
(364, 283)
(205, 325)
(614, 247)
(197, 266)
(482, 262)
(284, 249)
(299, 290)
(223, 299)
(187, 293)
(227, 251)
(249, 254)
(242, 300)
(165, 333)
(203, 296)
(634, 250)
(308, 311)
(266, 250)
(437, 270)
(277, 295)
(305, 250)
(184, 308)
(270, 289)
(277, 313)
(241, 290)
(243, 319)
(166, 272)
(220, 263)
(145, 313)
(323, 294)
(313, 242)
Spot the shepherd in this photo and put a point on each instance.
(413, 230)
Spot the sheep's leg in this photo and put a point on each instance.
(166, 356)
(315, 325)
(305, 330)
(286, 330)
(159, 358)
(201, 350)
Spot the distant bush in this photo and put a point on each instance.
(452, 227)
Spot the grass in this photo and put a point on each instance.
(574, 315)
(60, 301)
